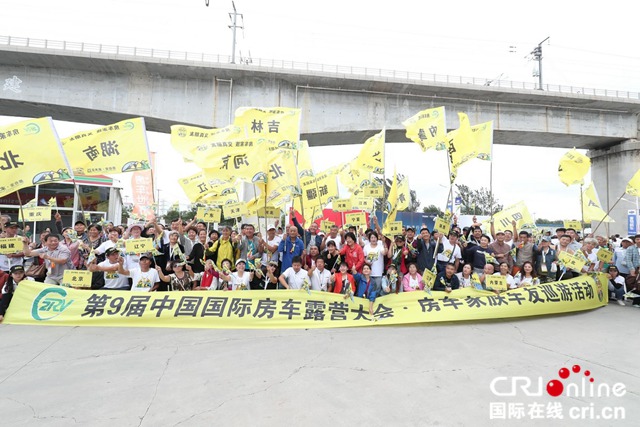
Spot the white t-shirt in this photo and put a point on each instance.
(15, 285)
(295, 280)
(450, 253)
(237, 281)
(276, 255)
(320, 280)
(377, 263)
(104, 246)
(337, 239)
(113, 279)
(143, 281)
(464, 283)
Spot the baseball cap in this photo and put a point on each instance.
(111, 251)
(626, 239)
(146, 255)
(240, 260)
(546, 239)
(11, 224)
(16, 268)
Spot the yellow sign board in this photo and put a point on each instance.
(441, 226)
(576, 225)
(342, 205)
(10, 245)
(39, 213)
(234, 210)
(269, 212)
(326, 225)
(496, 283)
(138, 246)
(362, 203)
(77, 278)
(605, 255)
(395, 227)
(209, 214)
(375, 192)
(359, 219)
(571, 262)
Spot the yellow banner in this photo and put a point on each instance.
(428, 128)
(279, 124)
(189, 140)
(429, 278)
(404, 193)
(391, 206)
(496, 283)
(198, 187)
(10, 245)
(77, 279)
(303, 158)
(40, 304)
(30, 154)
(231, 160)
(116, 148)
(576, 225)
(359, 219)
(38, 213)
(605, 255)
(234, 210)
(138, 246)
(342, 205)
(573, 167)
(519, 213)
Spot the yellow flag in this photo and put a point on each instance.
(428, 129)
(197, 186)
(305, 167)
(371, 157)
(460, 145)
(518, 213)
(591, 208)
(354, 177)
(188, 140)
(404, 194)
(633, 187)
(53, 202)
(482, 135)
(277, 123)
(233, 160)
(391, 207)
(116, 148)
(573, 167)
(30, 153)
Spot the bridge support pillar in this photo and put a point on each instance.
(611, 170)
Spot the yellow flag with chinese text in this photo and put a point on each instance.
(189, 140)
(31, 153)
(428, 128)
(573, 167)
(482, 135)
(233, 160)
(460, 145)
(404, 194)
(391, 207)
(111, 149)
(591, 207)
(633, 186)
(197, 186)
(279, 124)
(304, 165)
(371, 157)
(518, 213)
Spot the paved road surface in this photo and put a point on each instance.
(416, 375)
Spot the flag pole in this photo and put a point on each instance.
(608, 212)
(304, 235)
(21, 211)
(581, 211)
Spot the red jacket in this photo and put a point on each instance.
(337, 287)
(353, 256)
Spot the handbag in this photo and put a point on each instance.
(37, 271)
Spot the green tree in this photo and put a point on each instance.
(433, 209)
(477, 202)
(186, 215)
(414, 203)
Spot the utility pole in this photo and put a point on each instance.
(234, 25)
(537, 55)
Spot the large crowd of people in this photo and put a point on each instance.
(351, 261)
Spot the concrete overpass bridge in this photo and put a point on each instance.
(340, 105)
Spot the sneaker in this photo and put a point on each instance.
(620, 302)
(636, 305)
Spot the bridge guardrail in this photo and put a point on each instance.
(303, 66)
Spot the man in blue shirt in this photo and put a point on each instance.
(290, 247)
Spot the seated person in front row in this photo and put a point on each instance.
(447, 280)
